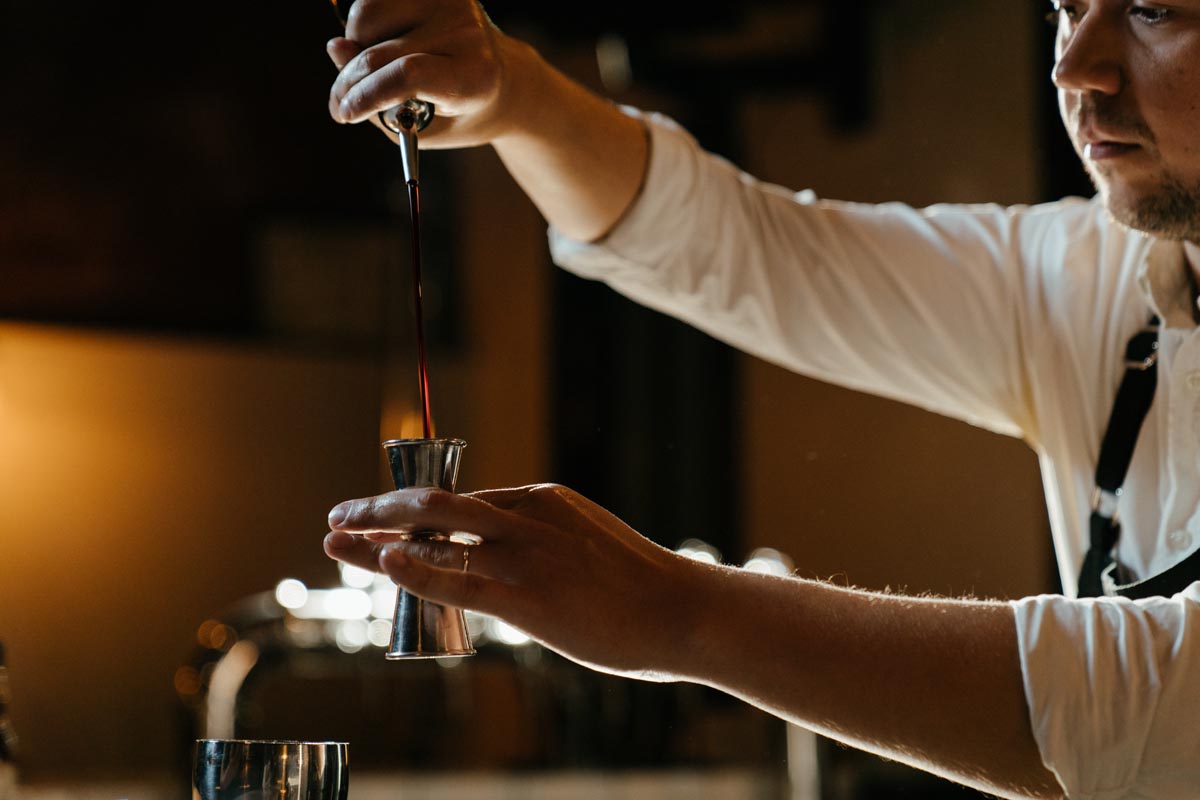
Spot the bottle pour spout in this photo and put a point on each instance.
(405, 120)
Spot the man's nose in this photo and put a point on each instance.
(1090, 57)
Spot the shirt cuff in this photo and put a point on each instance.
(1110, 685)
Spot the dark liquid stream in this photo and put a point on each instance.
(414, 209)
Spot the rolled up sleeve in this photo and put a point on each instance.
(1113, 688)
(935, 307)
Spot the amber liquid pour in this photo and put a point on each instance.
(414, 210)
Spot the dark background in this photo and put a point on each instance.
(143, 142)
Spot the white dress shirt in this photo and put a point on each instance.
(1015, 319)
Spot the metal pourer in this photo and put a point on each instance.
(405, 120)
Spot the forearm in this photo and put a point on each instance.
(933, 683)
(578, 158)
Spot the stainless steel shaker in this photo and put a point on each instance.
(240, 769)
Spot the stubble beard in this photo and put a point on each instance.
(1170, 211)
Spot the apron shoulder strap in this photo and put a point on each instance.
(1100, 572)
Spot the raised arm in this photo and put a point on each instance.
(575, 154)
(933, 683)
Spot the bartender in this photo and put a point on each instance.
(1072, 325)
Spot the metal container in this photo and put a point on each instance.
(239, 769)
(421, 629)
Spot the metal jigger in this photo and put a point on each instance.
(421, 629)
(232, 769)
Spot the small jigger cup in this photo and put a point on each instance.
(421, 629)
(234, 769)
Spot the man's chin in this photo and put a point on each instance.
(1171, 213)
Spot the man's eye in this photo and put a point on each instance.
(1150, 15)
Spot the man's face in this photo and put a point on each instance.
(1128, 77)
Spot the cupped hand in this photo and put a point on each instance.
(550, 562)
(446, 52)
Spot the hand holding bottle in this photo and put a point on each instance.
(577, 156)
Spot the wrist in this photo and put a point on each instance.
(574, 153)
(528, 85)
(696, 610)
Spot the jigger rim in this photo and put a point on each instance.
(272, 742)
(435, 440)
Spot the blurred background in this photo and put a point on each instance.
(205, 334)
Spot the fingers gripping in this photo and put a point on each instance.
(353, 550)
(451, 587)
(409, 510)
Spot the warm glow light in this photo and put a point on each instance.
(348, 604)
(412, 424)
(351, 636)
(477, 625)
(379, 632)
(335, 604)
(501, 631)
(187, 681)
(291, 593)
(356, 577)
(699, 551)
(769, 562)
(222, 637)
(383, 602)
(765, 566)
(204, 632)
